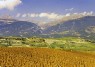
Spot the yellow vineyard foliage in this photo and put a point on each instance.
(43, 57)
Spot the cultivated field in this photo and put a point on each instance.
(66, 43)
(43, 57)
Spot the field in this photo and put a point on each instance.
(71, 43)
(66, 43)
(43, 57)
(46, 52)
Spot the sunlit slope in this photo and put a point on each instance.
(41, 57)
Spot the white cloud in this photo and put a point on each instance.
(84, 13)
(68, 14)
(43, 15)
(70, 9)
(90, 13)
(9, 4)
(34, 15)
(24, 15)
(75, 13)
(87, 13)
(51, 16)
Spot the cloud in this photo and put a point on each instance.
(70, 9)
(50, 16)
(68, 14)
(9, 4)
(87, 13)
(75, 13)
(34, 15)
(24, 15)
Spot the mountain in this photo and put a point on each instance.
(81, 27)
(12, 27)
(64, 18)
(84, 27)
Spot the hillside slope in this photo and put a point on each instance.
(18, 28)
(84, 27)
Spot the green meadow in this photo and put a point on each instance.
(66, 43)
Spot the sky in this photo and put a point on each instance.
(50, 9)
(50, 6)
(57, 6)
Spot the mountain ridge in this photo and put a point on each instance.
(81, 27)
(77, 27)
(18, 28)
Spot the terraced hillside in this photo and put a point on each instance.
(42, 57)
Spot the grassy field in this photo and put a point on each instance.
(71, 43)
(44, 57)
(66, 43)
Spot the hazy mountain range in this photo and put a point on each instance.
(80, 26)
(84, 26)
(11, 27)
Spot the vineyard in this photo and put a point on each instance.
(43, 57)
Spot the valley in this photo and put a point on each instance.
(66, 44)
(47, 33)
